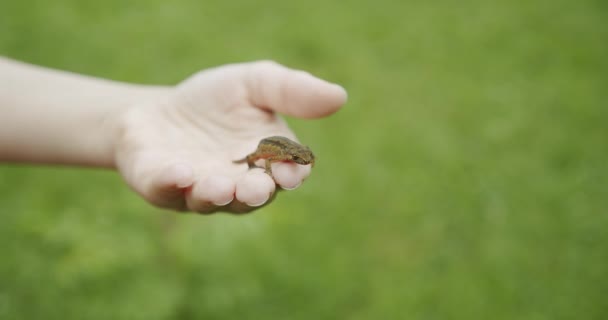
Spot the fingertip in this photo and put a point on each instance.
(340, 95)
(293, 92)
(322, 98)
(209, 193)
(289, 175)
(255, 188)
(218, 190)
(178, 175)
(165, 187)
(183, 175)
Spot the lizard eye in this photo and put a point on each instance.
(296, 158)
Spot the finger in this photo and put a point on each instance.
(296, 93)
(209, 193)
(289, 175)
(165, 187)
(254, 188)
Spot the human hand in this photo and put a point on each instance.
(177, 150)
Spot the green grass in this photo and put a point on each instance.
(467, 178)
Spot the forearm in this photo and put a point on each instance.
(54, 117)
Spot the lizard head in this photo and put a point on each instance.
(304, 156)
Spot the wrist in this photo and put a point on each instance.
(56, 117)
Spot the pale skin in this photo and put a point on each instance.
(173, 145)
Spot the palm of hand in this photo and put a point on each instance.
(178, 152)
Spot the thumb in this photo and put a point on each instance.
(274, 87)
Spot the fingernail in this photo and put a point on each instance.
(292, 188)
(256, 204)
(219, 204)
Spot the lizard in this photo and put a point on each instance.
(277, 148)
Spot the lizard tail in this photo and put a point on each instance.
(240, 160)
(248, 160)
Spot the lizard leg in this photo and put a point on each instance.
(267, 167)
(268, 162)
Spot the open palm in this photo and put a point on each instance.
(177, 151)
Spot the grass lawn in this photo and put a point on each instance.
(467, 177)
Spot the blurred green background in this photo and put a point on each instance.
(467, 177)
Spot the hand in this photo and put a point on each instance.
(177, 151)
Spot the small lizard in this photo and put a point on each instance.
(273, 149)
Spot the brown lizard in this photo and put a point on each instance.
(273, 149)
